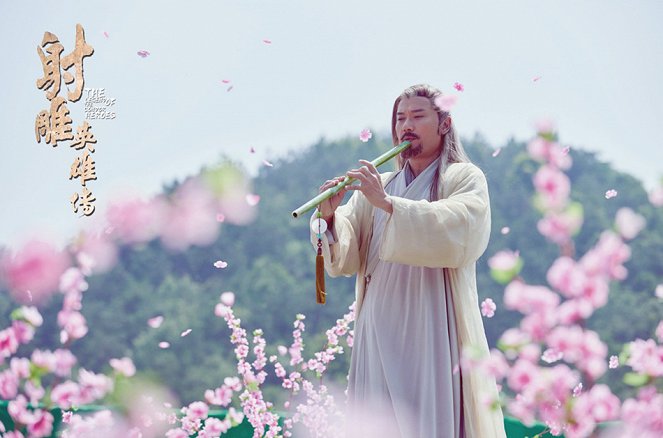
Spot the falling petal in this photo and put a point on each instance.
(458, 86)
(445, 103)
(266, 41)
(106, 34)
(220, 217)
(614, 362)
(610, 194)
(566, 150)
(497, 152)
(163, 345)
(488, 308)
(252, 199)
(505, 230)
(185, 332)
(365, 135)
(29, 295)
(225, 81)
(252, 150)
(220, 264)
(551, 355)
(536, 78)
(267, 163)
(155, 322)
(577, 390)
(143, 53)
(230, 88)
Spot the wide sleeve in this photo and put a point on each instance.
(342, 256)
(450, 232)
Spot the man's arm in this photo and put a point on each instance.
(450, 232)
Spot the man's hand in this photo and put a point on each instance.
(370, 185)
(329, 206)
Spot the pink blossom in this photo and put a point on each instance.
(20, 367)
(629, 223)
(536, 78)
(190, 217)
(496, 152)
(136, 220)
(577, 390)
(8, 385)
(495, 365)
(522, 374)
(197, 410)
(220, 217)
(505, 230)
(566, 277)
(546, 151)
(221, 396)
(529, 299)
(553, 186)
(656, 196)
(228, 298)
(220, 264)
(559, 227)
(215, 427)
(646, 357)
(488, 308)
(95, 252)
(8, 343)
(43, 424)
(64, 362)
(221, 310)
(610, 194)
(505, 265)
(365, 135)
(164, 345)
(124, 366)
(66, 394)
(643, 417)
(446, 102)
(43, 359)
(282, 350)
(177, 433)
(572, 311)
(31, 315)
(266, 41)
(66, 417)
(155, 322)
(614, 362)
(551, 355)
(607, 257)
(458, 86)
(143, 53)
(73, 325)
(36, 267)
(73, 280)
(24, 332)
(34, 392)
(93, 386)
(18, 410)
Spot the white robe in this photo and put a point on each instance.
(405, 345)
(450, 233)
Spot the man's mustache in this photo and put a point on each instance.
(409, 137)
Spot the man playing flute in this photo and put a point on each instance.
(413, 237)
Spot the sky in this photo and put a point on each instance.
(329, 70)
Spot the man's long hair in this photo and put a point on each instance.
(452, 148)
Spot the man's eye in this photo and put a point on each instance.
(418, 117)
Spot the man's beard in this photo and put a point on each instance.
(412, 151)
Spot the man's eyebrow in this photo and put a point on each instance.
(414, 111)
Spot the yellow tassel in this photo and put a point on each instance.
(320, 278)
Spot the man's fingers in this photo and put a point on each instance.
(369, 166)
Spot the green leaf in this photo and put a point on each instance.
(636, 379)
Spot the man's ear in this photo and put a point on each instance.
(444, 127)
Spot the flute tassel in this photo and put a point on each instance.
(320, 294)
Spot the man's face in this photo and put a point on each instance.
(417, 121)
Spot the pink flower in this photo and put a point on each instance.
(546, 151)
(124, 366)
(64, 362)
(197, 410)
(143, 53)
(221, 396)
(66, 394)
(610, 194)
(365, 135)
(529, 299)
(190, 217)
(553, 186)
(37, 268)
(577, 390)
(551, 355)
(446, 103)
(220, 217)
(458, 86)
(43, 424)
(656, 196)
(73, 324)
(505, 265)
(221, 310)
(73, 281)
(646, 357)
(629, 223)
(559, 227)
(565, 276)
(488, 308)
(136, 220)
(643, 417)
(228, 298)
(266, 41)
(24, 332)
(8, 385)
(220, 264)
(66, 417)
(215, 427)
(31, 315)
(8, 343)
(95, 252)
(522, 374)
